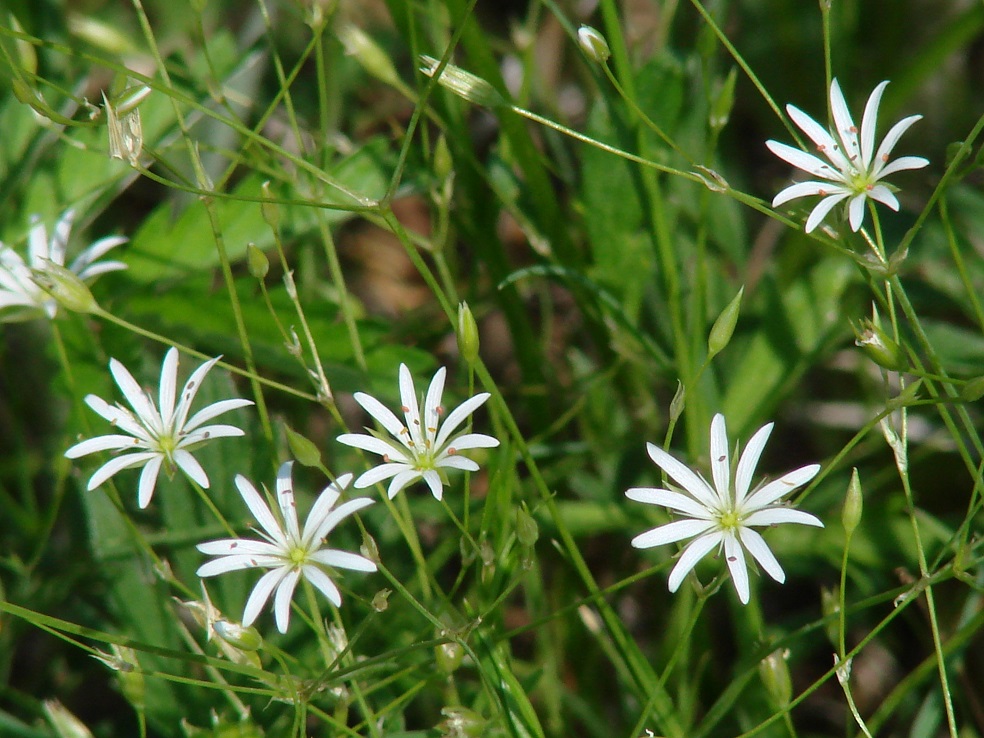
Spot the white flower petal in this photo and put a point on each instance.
(225, 564)
(381, 414)
(671, 533)
(856, 210)
(781, 487)
(844, 124)
(473, 440)
(720, 461)
(281, 602)
(807, 162)
(694, 552)
(101, 443)
(457, 462)
(903, 163)
(822, 209)
(256, 504)
(233, 547)
(400, 481)
(735, 555)
(870, 122)
(214, 410)
(680, 474)
(189, 390)
(323, 582)
(458, 416)
(379, 474)
(374, 445)
(190, 466)
(670, 499)
(148, 481)
(285, 498)
(433, 480)
(133, 393)
(777, 515)
(169, 386)
(343, 560)
(408, 396)
(118, 464)
(328, 523)
(261, 593)
(749, 460)
(761, 552)
(882, 194)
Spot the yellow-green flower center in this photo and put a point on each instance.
(298, 555)
(729, 520)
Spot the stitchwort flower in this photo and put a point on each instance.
(423, 447)
(853, 169)
(157, 438)
(723, 515)
(20, 296)
(287, 551)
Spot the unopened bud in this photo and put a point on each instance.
(237, 636)
(468, 340)
(268, 209)
(443, 163)
(723, 101)
(774, 672)
(471, 87)
(360, 45)
(593, 44)
(449, 656)
(131, 679)
(678, 402)
(65, 287)
(380, 600)
(724, 326)
(27, 57)
(256, 260)
(303, 449)
(461, 722)
(527, 530)
(851, 514)
(879, 347)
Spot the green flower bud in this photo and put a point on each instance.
(461, 722)
(269, 210)
(245, 639)
(593, 44)
(443, 163)
(774, 672)
(678, 402)
(527, 530)
(380, 600)
(724, 326)
(65, 287)
(132, 683)
(471, 87)
(63, 722)
(468, 340)
(851, 514)
(256, 260)
(360, 45)
(723, 101)
(879, 347)
(449, 656)
(27, 57)
(302, 448)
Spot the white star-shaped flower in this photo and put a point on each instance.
(289, 552)
(156, 438)
(721, 515)
(853, 170)
(20, 296)
(424, 446)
